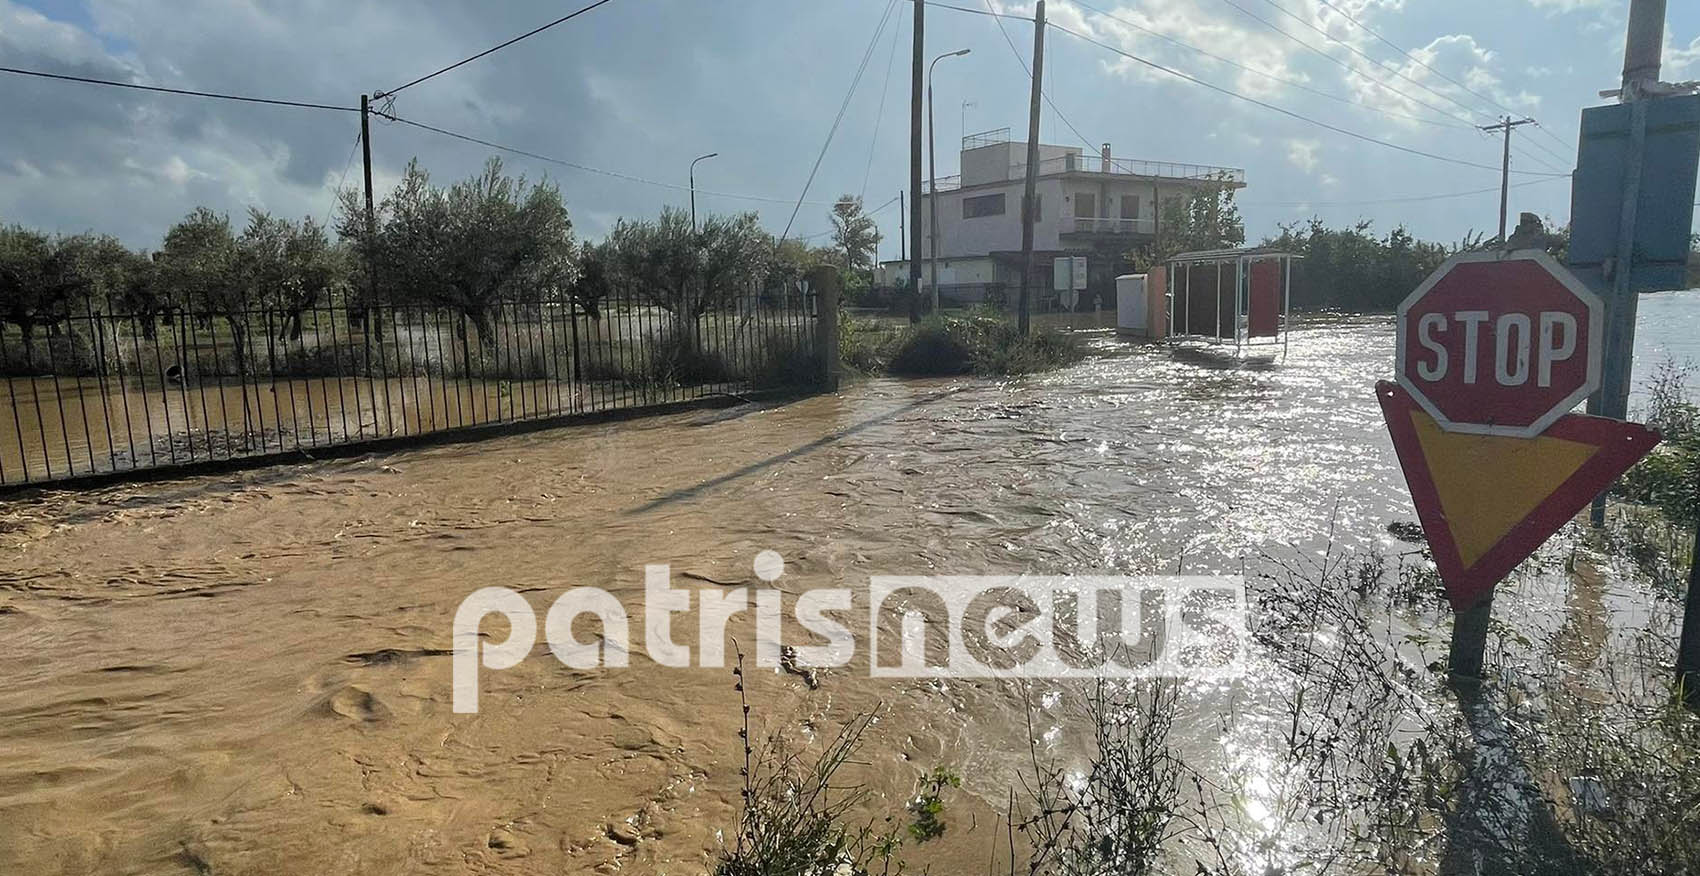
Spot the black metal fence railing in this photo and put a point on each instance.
(99, 393)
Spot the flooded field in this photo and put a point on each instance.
(249, 673)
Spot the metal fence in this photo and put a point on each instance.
(99, 393)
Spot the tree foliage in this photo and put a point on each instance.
(1203, 220)
(482, 240)
(688, 274)
(854, 233)
(1352, 268)
(42, 281)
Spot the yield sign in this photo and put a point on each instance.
(1487, 502)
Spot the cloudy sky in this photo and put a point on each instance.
(637, 88)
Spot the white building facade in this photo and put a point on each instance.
(1093, 205)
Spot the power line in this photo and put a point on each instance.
(1360, 53)
(1287, 82)
(496, 48)
(339, 183)
(1426, 66)
(1289, 113)
(1366, 29)
(1028, 70)
(831, 132)
(879, 115)
(988, 12)
(1342, 64)
(583, 167)
(183, 91)
(1401, 200)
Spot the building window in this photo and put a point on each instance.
(1130, 206)
(1085, 205)
(984, 205)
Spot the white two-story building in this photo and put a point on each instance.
(1098, 206)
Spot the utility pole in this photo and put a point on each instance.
(1031, 191)
(915, 97)
(902, 231)
(1505, 124)
(371, 218)
(1643, 55)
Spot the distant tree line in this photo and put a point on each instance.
(486, 239)
(1351, 268)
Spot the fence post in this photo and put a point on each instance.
(824, 280)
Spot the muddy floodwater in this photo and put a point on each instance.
(250, 673)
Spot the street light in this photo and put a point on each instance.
(694, 187)
(932, 181)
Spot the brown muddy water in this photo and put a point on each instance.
(248, 673)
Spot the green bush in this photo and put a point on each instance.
(935, 347)
(979, 344)
(66, 354)
(1667, 478)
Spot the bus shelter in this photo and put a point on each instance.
(1231, 296)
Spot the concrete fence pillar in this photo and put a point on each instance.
(824, 280)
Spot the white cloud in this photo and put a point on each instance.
(1681, 62)
(1569, 5)
(1303, 154)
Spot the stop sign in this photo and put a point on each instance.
(1500, 343)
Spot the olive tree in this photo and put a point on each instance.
(314, 269)
(470, 246)
(854, 233)
(42, 280)
(689, 273)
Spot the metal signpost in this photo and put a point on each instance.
(1493, 351)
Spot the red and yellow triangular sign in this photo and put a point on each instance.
(1487, 502)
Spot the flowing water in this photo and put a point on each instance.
(250, 672)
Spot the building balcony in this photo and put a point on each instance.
(1155, 170)
(1101, 227)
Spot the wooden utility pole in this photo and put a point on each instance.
(915, 98)
(1506, 124)
(1031, 191)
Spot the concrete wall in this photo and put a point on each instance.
(1058, 208)
(959, 237)
(987, 164)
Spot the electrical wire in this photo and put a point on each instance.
(1289, 113)
(1426, 66)
(584, 167)
(1401, 200)
(182, 91)
(1342, 64)
(1046, 96)
(1360, 53)
(1027, 69)
(989, 12)
(496, 48)
(873, 44)
(879, 115)
(347, 165)
(1253, 70)
(1413, 58)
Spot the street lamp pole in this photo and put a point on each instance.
(694, 188)
(933, 184)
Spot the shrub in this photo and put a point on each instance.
(1666, 479)
(936, 347)
(66, 353)
(981, 344)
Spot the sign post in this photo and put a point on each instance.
(1493, 352)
